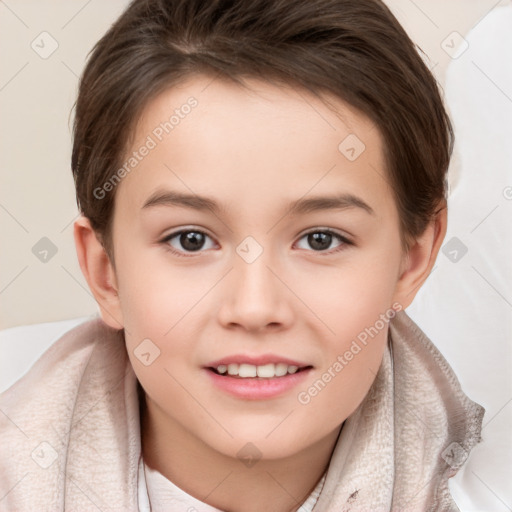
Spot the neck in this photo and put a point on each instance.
(225, 482)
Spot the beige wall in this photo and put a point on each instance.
(36, 95)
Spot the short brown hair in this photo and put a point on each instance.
(355, 49)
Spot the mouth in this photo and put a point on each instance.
(257, 378)
(251, 371)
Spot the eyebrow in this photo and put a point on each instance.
(300, 206)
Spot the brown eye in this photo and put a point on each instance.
(319, 241)
(322, 241)
(190, 240)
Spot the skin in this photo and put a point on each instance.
(253, 151)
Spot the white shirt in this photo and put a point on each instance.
(158, 494)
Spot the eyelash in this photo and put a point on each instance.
(344, 241)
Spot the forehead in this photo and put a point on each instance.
(213, 136)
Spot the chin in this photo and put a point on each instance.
(261, 443)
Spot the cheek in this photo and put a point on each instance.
(156, 294)
(357, 315)
(351, 296)
(337, 389)
(164, 304)
(354, 304)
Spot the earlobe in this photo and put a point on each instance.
(421, 257)
(98, 271)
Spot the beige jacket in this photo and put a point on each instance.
(70, 437)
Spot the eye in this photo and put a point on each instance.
(321, 240)
(187, 240)
(193, 240)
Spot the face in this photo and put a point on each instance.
(253, 237)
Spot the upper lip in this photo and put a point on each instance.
(255, 360)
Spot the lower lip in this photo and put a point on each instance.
(256, 388)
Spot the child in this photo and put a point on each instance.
(242, 363)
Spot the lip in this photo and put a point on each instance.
(257, 388)
(255, 360)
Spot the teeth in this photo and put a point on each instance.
(281, 369)
(267, 371)
(247, 370)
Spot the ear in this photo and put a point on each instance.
(419, 260)
(99, 272)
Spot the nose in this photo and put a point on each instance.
(255, 298)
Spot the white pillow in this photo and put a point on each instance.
(465, 306)
(21, 347)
